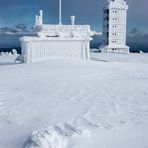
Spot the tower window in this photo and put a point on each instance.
(114, 41)
(114, 26)
(114, 33)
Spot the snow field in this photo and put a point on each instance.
(75, 104)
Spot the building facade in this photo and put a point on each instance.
(56, 41)
(114, 27)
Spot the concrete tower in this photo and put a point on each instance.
(114, 27)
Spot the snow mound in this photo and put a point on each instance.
(54, 137)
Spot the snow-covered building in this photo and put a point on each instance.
(56, 41)
(114, 27)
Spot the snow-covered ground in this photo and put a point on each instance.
(75, 104)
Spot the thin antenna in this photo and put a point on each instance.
(60, 12)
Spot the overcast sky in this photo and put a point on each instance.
(13, 12)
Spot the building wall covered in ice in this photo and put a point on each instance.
(56, 41)
(36, 49)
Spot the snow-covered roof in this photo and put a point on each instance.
(60, 30)
(63, 30)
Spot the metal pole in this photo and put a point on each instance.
(60, 12)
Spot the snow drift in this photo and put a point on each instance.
(54, 137)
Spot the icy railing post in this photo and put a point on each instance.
(72, 20)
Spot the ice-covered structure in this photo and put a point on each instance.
(114, 27)
(56, 41)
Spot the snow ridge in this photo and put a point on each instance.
(54, 137)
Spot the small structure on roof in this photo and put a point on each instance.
(56, 41)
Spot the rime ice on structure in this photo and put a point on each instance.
(56, 41)
(114, 27)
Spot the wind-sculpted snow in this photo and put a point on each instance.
(47, 138)
(56, 137)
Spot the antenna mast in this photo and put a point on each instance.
(60, 12)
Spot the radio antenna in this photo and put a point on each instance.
(60, 12)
